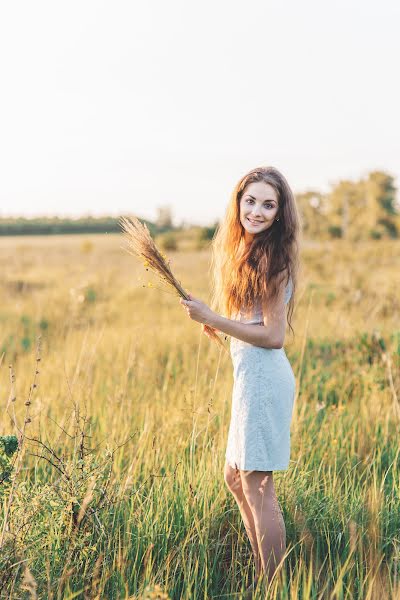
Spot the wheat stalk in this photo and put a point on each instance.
(141, 244)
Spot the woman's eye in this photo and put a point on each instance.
(268, 204)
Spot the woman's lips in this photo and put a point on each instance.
(254, 222)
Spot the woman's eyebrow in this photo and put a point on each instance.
(266, 200)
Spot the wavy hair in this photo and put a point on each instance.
(242, 273)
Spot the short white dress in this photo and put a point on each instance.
(262, 403)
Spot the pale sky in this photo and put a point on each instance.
(120, 107)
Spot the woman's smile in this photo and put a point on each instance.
(254, 222)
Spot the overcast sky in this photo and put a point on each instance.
(120, 107)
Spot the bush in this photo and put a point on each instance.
(206, 233)
(203, 237)
(375, 234)
(335, 231)
(167, 241)
(8, 447)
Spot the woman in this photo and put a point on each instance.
(255, 265)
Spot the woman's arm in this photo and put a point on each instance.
(258, 335)
(270, 335)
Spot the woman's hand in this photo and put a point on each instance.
(198, 310)
(206, 332)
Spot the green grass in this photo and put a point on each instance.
(124, 490)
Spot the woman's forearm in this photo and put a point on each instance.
(258, 335)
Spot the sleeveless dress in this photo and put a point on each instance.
(262, 403)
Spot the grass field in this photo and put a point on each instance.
(118, 490)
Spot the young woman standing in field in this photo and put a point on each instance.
(255, 265)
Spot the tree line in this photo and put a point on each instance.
(352, 210)
(61, 225)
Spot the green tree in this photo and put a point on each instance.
(381, 193)
(365, 208)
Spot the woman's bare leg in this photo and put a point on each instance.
(259, 491)
(233, 481)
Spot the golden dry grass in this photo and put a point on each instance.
(143, 375)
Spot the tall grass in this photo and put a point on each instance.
(120, 493)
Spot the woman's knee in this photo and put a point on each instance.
(232, 479)
(258, 488)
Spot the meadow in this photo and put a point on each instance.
(123, 407)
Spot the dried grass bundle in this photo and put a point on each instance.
(141, 244)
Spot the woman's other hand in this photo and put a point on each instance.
(198, 310)
(206, 332)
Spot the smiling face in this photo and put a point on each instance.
(258, 208)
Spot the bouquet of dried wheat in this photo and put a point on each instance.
(141, 244)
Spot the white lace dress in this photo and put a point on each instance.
(262, 403)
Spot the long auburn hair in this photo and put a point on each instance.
(242, 273)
